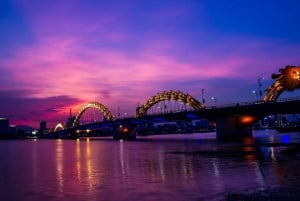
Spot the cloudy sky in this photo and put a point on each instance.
(57, 55)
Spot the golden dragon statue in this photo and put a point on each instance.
(288, 79)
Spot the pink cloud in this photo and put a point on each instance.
(51, 69)
(103, 56)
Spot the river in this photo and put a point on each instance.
(178, 167)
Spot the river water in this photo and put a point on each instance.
(166, 167)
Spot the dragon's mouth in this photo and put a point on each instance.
(296, 75)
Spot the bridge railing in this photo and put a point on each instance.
(253, 102)
(230, 105)
(297, 98)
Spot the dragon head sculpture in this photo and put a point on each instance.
(288, 79)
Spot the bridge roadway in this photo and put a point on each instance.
(232, 121)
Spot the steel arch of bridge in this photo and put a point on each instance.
(59, 126)
(107, 114)
(169, 95)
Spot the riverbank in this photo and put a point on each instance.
(286, 158)
(291, 193)
(290, 180)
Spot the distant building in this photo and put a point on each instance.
(43, 126)
(70, 122)
(4, 126)
(27, 131)
(13, 129)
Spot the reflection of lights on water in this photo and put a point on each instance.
(161, 165)
(89, 163)
(285, 139)
(78, 161)
(216, 167)
(122, 163)
(249, 149)
(272, 154)
(272, 139)
(59, 164)
(187, 167)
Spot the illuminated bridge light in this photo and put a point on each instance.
(169, 101)
(246, 120)
(93, 116)
(58, 127)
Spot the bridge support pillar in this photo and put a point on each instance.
(230, 128)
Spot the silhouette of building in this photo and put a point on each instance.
(4, 126)
(43, 127)
(70, 120)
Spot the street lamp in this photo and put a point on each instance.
(214, 99)
(259, 86)
(202, 93)
(255, 92)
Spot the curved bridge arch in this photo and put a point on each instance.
(288, 79)
(107, 114)
(169, 95)
(59, 126)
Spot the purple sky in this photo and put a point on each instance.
(56, 55)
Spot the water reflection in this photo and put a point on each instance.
(141, 170)
(215, 167)
(78, 160)
(161, 165)
(122, 162)
(60, 165)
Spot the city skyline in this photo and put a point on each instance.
(60, 55)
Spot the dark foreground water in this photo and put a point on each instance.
(175, 167)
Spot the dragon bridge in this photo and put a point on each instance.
(107, 114)
(169, 95)
(288, 79)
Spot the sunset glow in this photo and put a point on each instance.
(57, 55)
